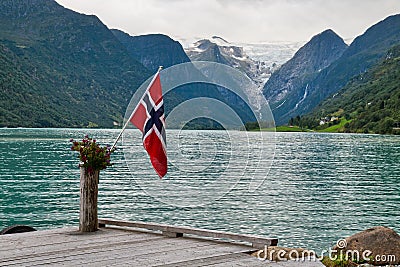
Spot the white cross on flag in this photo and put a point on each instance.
(148, 117)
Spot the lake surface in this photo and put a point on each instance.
(317, 189)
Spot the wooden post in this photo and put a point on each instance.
(88, 221)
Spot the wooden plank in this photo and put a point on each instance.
(30, 238)
(113, 252)
(67, 248)
(39, 233)
(119, 247)
(134, 258)
(256, 241)
(49, 255)
(248, 261)
(179, 256)
(27, 241)
(60, 245)
(231, 259)
(306, 263)
(172, 234)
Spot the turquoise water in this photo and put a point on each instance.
(320, 187)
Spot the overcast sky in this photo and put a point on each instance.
(248, 21)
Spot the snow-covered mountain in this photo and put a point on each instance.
(273, 54)
(258, 60)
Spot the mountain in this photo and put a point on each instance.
(363, 53)
(221, 51)
(153, 50)
(61, 68)
(270, 55)
(205, 50)
(288, 87)
(156, 50)
(64, 69)
(369, 103)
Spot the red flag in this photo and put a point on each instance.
(148, 117)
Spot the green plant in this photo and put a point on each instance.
(92, 156)
(369, 102)
(340, 260)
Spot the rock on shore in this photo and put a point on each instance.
(380, 244)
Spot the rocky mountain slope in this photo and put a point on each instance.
(369, 103)
(363, 53)
(153, 50)
(221, 51)
(263, 58)
(288, 87)
(257, 61)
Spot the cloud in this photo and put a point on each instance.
(239, 20)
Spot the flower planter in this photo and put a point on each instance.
(92, 159)
(89, 181)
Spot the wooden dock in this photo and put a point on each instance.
(121, 246)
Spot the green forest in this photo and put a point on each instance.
(369, 103)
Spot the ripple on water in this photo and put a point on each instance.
(320, 187)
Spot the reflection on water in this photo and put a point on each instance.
(321, 187)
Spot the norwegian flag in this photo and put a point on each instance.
(148, 117)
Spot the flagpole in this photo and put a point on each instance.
(130, 117)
